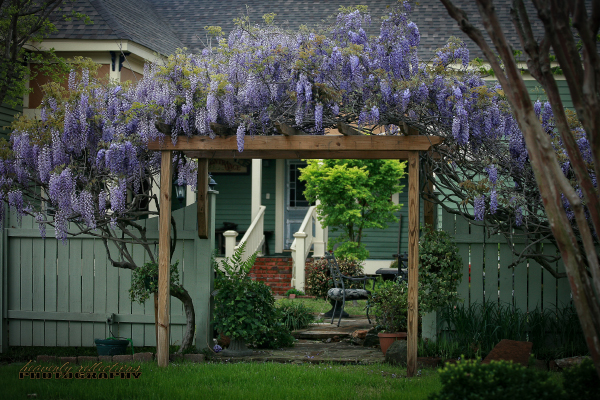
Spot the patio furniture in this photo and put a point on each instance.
(400, 273)
(340, 293)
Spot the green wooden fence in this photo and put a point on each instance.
(63, 295)
(526, 286)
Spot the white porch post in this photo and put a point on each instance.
(229, 242)
(299, 260)
(320, 240)
(279, 204)
(256, 187)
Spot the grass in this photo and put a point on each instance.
(318, 306)
(233, 381)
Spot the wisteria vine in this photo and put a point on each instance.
(87, 159)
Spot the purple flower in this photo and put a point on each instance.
(405, 99)
(40, 219)
(537, 107)
(492, 174)
(217, 348)
(241, 133)
(375, 115)
(518, 216)
(319, 117)
(493, 201)
(413, 34)
(479, 208)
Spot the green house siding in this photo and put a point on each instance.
(7, 114)
(234, 200)
(537, 93)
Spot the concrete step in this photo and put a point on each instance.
(326, 330)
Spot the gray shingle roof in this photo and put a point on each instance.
(136, 21)
(435, 25)
(164, 25)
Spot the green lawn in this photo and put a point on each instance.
(232, 381)
(322, 306)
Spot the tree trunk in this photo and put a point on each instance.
(190, 316)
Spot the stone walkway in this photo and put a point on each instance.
(322, 343)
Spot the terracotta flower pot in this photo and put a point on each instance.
(386, 339)
(292, 296)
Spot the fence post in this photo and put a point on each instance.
(300, 260)
(430, 326)
(229, 242)
(205, 279)
(3, 283)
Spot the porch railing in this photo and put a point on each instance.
(303, 241)
(254, 237)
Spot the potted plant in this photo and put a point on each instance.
(388, 305)
(245, 309)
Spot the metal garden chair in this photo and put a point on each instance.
(340, 293)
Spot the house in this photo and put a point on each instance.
(265, 195)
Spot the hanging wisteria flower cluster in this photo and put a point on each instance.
(93, 164)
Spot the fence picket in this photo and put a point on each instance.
(74, 290)
(87, 289)
(112, 289)
(476, 273)
(50, 293)
(62, 296)
(549, 282)
(176, 334)
(520, 285)
(100, 266)
(563, 293)
(38, 289)
(124, 304)
(506, 275)
(491, 272)
(137, 330)
(26, 289)
(534, 298)
(14, 294)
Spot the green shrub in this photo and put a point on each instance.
(389, 304)
(498, 380)
(582, 382)
(440, 270)
(295, 315)
(318, 278)
(245, 308)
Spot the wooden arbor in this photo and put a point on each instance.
(288, 147)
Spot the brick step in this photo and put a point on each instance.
(276, 272)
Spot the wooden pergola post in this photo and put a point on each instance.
(164, 259)
(413, 261)
(292, 147)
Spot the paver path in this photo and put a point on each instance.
(311, 348)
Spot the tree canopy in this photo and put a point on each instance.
(23, 22)
(354, 195)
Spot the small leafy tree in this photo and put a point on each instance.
(354, 195)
